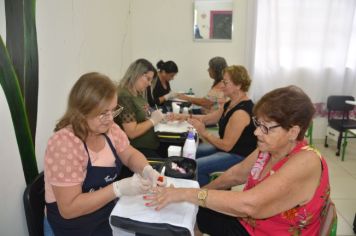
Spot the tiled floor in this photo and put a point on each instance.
(343, 183)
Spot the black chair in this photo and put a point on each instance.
(337, 104)
(34, 202)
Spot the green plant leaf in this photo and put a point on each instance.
(21, 43)
(10, 85)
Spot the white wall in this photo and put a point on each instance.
(169, 36)
(74, 37)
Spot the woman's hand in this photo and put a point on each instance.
(197, 124)
(173, 117)
(155, 178)
(131, 186)
(161, 197)
(182, 96)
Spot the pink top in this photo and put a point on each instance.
(216, 95)
(65, 162)
(300, 220)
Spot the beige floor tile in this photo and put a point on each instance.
(349, 165)
(343, 228)
(343, 187)
(343, 184)
(347, 209)
(335, 170)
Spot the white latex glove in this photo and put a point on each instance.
(170, 95)
(131, 186)
(156, 117)
(153, 176)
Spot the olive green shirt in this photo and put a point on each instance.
(136, 109)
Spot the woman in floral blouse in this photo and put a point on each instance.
(286, 181)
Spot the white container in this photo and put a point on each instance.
(190, 147)
(174, 151)
(185, 110)
(332, 134)
(175, 108)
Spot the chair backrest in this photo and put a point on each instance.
(34, 202)
(337, 103)
(329, 225)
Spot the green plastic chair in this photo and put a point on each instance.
(309, 133)
(329, 225)
(215, 175)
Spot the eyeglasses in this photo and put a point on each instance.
(113, 113)
(265, 129)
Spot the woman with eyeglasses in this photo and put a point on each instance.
(236, 139)
(286, 181)
(160, 90)
(215, 97)
(83, 161)
(138, 119)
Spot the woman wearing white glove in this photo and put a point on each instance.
(83, 160)
(132, 186)
(156, 117)
(153, 176)
(134, 119)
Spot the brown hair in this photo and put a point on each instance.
(88, 95)
(239, 76)
(217, 65)
(288, 106)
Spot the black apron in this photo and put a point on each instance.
(95, 223)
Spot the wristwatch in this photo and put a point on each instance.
(202, 195)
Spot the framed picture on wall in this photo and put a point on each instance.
(220, 24)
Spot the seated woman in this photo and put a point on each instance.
(83, 161)
(136, 119)
(236, 139)
(160, 90)
(287, 183)
(215, 96)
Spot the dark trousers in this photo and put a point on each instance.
(217, 224)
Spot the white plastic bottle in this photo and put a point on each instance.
(190, 148)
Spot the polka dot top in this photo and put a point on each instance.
(66, 159)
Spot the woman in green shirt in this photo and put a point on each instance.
(136, 119)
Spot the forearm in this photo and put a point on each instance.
(211, 118)
(228, 202)
(86, 203)
(206, 103)
(217, 142)
(161, 100)
(224, 181)
(138, 129)
(220, 201)
(137, 162)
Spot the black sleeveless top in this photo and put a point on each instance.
(247, 142)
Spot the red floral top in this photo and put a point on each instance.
(300, 220)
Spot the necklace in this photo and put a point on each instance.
(234, 103)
